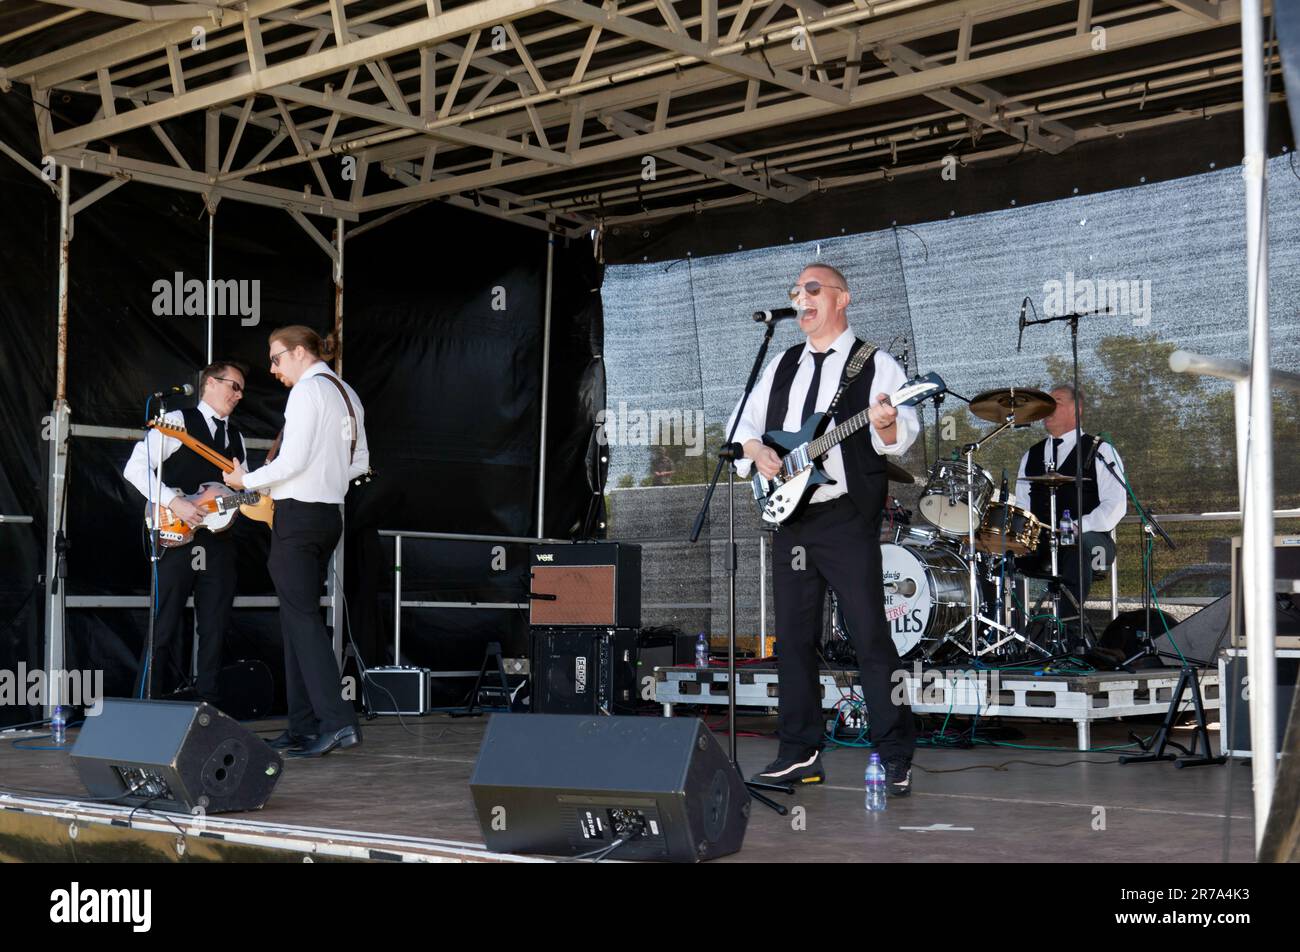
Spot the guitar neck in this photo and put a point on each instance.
(834, 436)
(188, 440)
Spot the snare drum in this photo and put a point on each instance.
(1024, 531)
(943, 501)
(927, 593)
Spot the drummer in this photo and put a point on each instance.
(1105, 500)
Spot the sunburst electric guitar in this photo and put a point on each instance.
(218, 502)
(783, 497)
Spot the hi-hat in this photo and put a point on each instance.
(1028, 406)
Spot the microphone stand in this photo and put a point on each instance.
(1073, 319)
(727, 455)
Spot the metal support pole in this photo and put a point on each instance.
(58, 428)
(211, 289)
(1257, 490)
(397, 599)
(337, 610)
(546, 384)
(762, 596)
(338, 296)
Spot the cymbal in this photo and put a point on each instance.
(1028, 405)
(1051, 480)
(896, 474)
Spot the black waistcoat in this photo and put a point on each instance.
(864, 468)
(1040, 499)
(185, 469)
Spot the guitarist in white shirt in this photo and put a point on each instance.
(835, 540)
(206, 565)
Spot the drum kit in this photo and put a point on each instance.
(950, 573)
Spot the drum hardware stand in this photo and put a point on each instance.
(727, 455)
(1200, 737)
(977, 615)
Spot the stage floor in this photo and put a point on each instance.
(987, 804)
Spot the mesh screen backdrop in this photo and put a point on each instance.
(1170, 257)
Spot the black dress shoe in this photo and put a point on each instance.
(289, 740)
(322, 745)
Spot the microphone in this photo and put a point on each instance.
(776, 314)
(185, 389)
(1096, 448)
(1021, 339)
(904, 587)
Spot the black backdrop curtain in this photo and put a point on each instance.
(443, 342)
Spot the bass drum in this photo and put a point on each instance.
(927, 594)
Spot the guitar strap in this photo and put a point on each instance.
(862, 352)
(352, 451)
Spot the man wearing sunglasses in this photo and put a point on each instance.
(835, 542)
(206, 566)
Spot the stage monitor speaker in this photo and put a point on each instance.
(584, 670)
(175, 756)
(572, 786)
(586, 583)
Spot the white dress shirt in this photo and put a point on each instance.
(1112, 496)
(312, 465)
(889, 377)
(137, 471)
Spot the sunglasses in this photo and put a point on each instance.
(813, 288)
(234, 385)
(275, 358)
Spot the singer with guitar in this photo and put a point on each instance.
(835, 537)
(205, 566)
(1105, 499)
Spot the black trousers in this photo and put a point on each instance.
(834, 544)
(206, 569)
(303, 537)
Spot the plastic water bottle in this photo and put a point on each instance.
(59, 726)
(702, 651)
(875, 783)
(1067, 529)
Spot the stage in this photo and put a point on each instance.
(404, 796)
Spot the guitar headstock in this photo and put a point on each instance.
(160, 424)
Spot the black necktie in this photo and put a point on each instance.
(1056, 446)
(810, 401)
(221, 435)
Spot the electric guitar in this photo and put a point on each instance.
(783, 497)
(218, 502)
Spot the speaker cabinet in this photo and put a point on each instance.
(597, 584)
(584, 670)
(175, 756)
(571, 786)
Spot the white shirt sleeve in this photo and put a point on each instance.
(1021, 489)
(753, 424)
(1113, 497)
(138, 471)
(301, 416)
(889, 377)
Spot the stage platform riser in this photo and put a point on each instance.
(1082, 699)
